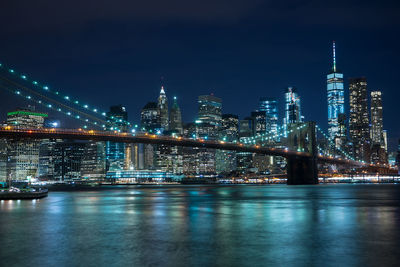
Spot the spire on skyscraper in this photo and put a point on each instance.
(334, 57)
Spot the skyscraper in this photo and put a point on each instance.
(115, 152)
(226, 160)
(376, 118)
(292, 108)
(378, 146)
(270, 107)
(335, 90)
(150, 117)
(176, 118)
(359, 118)
(210, 109)
(260, 122)
(23, 155)
(163, 110)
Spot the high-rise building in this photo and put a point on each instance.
(115, 152)
(225, 159)
(359, 118)
(376, 118)
(292, 108)
(270, 107)
(378, 146)
(94, 161)
(150, 118)
(176, 118)
(117, 118)
(23, 155)
(68, 160)
(335, 90)
(244, 159)
(210, 109)
(163, 110)
(260, 122)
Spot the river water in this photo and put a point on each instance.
(241, 225)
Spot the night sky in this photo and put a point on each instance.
(114, 52)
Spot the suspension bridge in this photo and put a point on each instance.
(300, 145)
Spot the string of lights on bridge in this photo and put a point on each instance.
(47, 89)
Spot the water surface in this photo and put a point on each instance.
(241, 225)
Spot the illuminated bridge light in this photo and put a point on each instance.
(66, 97)
(85, 106)
(45, 88)
(11, 70)
(35, 82)
(76, 102)
(23, 77)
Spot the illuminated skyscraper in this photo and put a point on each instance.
(150, 118)
(163, 109)
(292, 108)
(335, 98)
(23, 154)
(376, 118)
(115, 152)
(359, 118)
(210, 110)
(176, 118)
(226, 160)
(378, 145)
(270, 107)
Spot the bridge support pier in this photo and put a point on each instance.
(302, 171)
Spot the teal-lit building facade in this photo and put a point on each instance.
(335, 91)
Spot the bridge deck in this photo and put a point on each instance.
(46, 133)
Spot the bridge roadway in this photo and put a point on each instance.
(145, 138)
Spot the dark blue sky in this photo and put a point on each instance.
(114, 52)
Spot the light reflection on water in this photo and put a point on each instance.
(329, 225)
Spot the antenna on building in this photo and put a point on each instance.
(334, 57)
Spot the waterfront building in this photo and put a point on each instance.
(270, 107)
(292, 108)
(140, 176)
(68, 160)
(23, 155)
(94, 161)
(163, 110)
(3, 160)
(176, 118)
(359, 119)
(335, 93)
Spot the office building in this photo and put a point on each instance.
(163, 110)
(176, 118)
(292, 108)
(229, 132)
(335, 92)
(270, 107)
(359, 119)
(23, 155)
